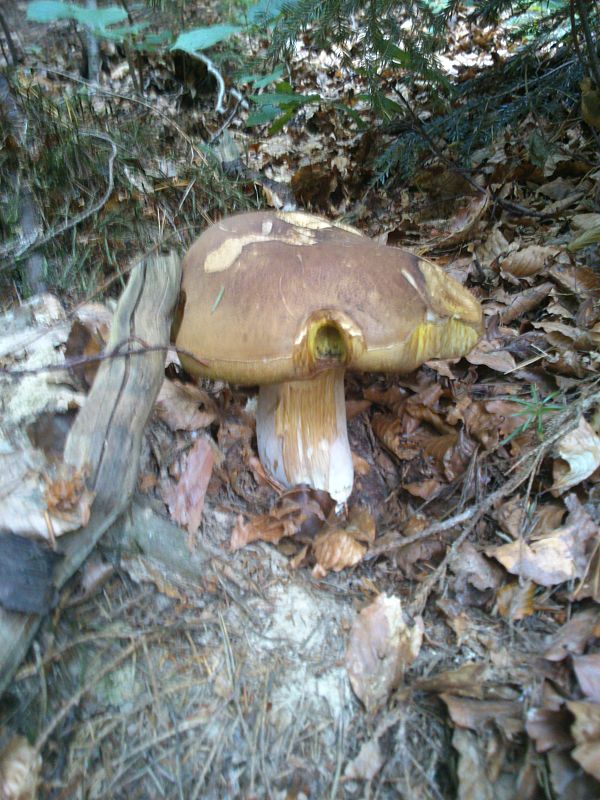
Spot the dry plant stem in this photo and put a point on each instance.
(15, 250)
(526, 467)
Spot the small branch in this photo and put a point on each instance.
(116, 352)
(15, 250)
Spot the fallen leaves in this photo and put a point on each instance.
(577, 457)
(185, 497)
(380, 648)
(554, 557)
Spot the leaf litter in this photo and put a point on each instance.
(250, 667)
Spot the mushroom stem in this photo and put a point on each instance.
(302, 435)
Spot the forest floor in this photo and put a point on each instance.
(440, 640)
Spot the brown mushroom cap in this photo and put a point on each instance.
(266, 296)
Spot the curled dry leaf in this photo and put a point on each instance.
(336, 550)
(573, 636)
(528, 261)
(587, 670)
(586, 732)
(552, 558)
(381, 646)
(578, 457)
(461, 225)
(515, 600)
(20, 766)
(300, 511)
(470, 565)
(490, 354)
(185, 498)
(549, 728)
(184, 406)
(478, 714)
(466, 681)
(342, 546)
(67, 497)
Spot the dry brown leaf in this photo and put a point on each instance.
(20, 766)
(466, 681)
(578, 457)
(489, 353)
(586, 732)
(483, 771)
(185, 498)
(301, 511)
(582, 281)
(467, 562)
(587, 671)
(549, 727)
(67, 497)
(460, 226)
(514, 600)
(523, 302)
(334, 551)
(574, 635)
(555, 557)
(477, 714)
(178, 405)
(528, 261)
(381, 646)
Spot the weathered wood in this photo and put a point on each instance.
(106, 436)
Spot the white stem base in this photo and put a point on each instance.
(302, 435)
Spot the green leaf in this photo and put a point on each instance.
(284, 99)
(96, 19)
(281, 121)
(270, 78)
(203, 38)
(263, 115)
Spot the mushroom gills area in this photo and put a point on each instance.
(301, 433)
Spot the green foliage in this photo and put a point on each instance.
(202, 38)
(534, 411)
(97, 20)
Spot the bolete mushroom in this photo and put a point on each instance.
(289, 302)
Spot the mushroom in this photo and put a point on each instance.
(289, 302)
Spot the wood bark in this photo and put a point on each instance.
(105, 439)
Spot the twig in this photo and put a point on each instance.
(431, 530)
(116, 352)
(15, 250)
